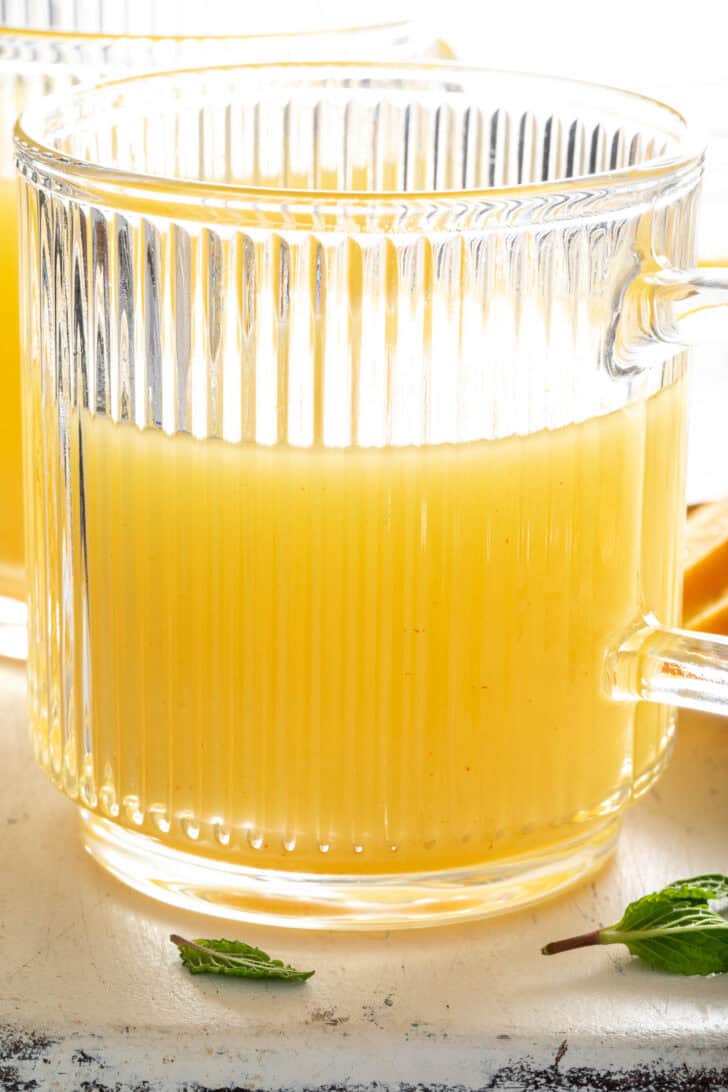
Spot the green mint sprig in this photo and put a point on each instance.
(673, 930)
(234, 958)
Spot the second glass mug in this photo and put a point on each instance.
(354, 436)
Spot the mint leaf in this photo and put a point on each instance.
(699, 888)
(673, 930)
(680, 937)
(233, 957)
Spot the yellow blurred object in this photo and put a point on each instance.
(705, 591)
(440, 50)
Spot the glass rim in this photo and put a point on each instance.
(198, 198)
(53, 34)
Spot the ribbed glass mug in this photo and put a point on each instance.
(49, 47)
(354, 436)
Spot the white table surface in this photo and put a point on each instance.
(92, 995)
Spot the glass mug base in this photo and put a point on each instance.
(342, 902)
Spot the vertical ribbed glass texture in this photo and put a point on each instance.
(188, 18)
(335, 505)
(47, 47)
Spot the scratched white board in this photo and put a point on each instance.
(92, 995)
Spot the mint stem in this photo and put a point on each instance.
(581, 941)
(182, 942)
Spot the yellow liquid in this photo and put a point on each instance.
(11, 506)
(363, 660)
(661, 565)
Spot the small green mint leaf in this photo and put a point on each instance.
(680, 937)
(234, 958)
(672, 930)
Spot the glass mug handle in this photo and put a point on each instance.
(662, 312)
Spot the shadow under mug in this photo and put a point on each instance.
(354, 410)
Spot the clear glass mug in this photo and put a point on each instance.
(49, 47)
(354, 435)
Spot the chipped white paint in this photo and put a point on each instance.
(86, 963)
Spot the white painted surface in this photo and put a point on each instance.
(87, 964)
